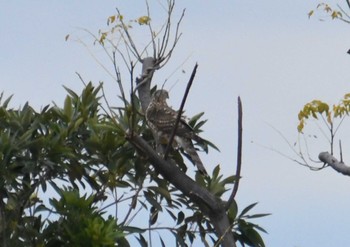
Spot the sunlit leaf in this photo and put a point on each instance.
(143, 20)
(310, 13)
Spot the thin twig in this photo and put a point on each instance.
(312, 168)
(298, 154)
(96, 40)
(119, 79)
(111, 113)
(151, 30)
(177, 37)
(332, 139)
(346, 14)
(81, 78)
(132, 206)
(239, 155)
(341, 152)
(165, 39)
(98, 61)
(189, 84)
(307, 151)
(132, 98)
(341, 121)
(116, 49)
(131, 41)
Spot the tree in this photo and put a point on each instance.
(331, 117)
(94, 157)
(337, 13)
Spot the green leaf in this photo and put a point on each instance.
(151, 199)
(68, 108)
(142, 241)
(161, 241)
(133, 229)
(248, 208)
(162, 191)
(7, 101)
(154, 216)
(256, 216)
(232, 211)
(180, 218)
(215, 172)
(255, 238)
(71, 92)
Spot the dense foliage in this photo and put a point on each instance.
(67, 173)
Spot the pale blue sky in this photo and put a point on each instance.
(267, 52)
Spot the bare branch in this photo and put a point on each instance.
(165, 40)
(209, 204)
(81, 78)
(165, 58)
(299, 154)
(189, 84)
(341, 152)
(239, 155)
(119, 79)
(330, 160)
(151, 30)
(133, 205)
(143, 83)
(344, 12)
(130, 40)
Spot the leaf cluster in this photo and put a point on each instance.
(78, 149)
(317, 108)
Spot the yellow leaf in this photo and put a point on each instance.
(327, 8)
(329, 119)
(111, 19)
(310, 13)
(335, 14)
(300, 126)
(143, 20)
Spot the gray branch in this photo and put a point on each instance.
(143, 83)
(213, 207)
(330, 160)
(209, 204)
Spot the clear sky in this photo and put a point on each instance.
(268, 52)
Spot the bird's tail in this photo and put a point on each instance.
(188, 147)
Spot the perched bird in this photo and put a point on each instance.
(162, 118)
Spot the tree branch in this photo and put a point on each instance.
(189, 84)
(210, 205)
(239, 155)
(330, 160)
(143, 83)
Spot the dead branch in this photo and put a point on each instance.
(338, 166)
(178, 118)
(213, 207)
(239, 155)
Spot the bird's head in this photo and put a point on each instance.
(161, 95)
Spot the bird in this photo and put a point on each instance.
(162, 119)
